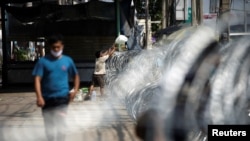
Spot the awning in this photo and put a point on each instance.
(25, 15)
(18, 1)
(56, 13)
(94, 9)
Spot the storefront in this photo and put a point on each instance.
(28, 22)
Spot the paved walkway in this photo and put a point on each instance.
(21, 120)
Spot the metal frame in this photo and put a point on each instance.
(245, 33)
(240, 34)
(4, 46)
(146, 24)
(245, 16)
(118, 17)
(6, 66)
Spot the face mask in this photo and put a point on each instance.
(56, 54)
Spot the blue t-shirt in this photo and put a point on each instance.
(55, 75)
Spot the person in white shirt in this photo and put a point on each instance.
(100, 70)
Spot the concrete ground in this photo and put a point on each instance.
(100, 120)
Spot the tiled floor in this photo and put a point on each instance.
(21, 120)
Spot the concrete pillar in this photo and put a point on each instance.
(143, 23)
(224, 8)
(164, 14)
(194, 13)
(147, 29)
(200, 11)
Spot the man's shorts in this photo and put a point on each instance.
(60, 103)
(98, 80)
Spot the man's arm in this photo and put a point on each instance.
(40, 100)
(73, 73)
(105, 53)
(76, 87)
(76, 82)
(111, 50)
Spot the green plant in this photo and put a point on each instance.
(155, 11)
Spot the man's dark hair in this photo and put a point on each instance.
(54, 38)
(98, 54)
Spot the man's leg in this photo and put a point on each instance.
(102, 91)
(60, 119)
(101, 84)
(91, 88)
(49, 124)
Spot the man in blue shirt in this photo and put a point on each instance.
(52, 74)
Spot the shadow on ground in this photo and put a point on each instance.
(17, 88)
(21, 119)
(26, 87)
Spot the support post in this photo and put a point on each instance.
(194, 13)
(146, 24)
(224, 8)
(164, 14)
(4, 46)
(200, 11)
(118, 19)
(167, 13)
(245, 15)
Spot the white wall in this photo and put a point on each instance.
(206, 6)
(237, 14)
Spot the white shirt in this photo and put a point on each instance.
(100, 66)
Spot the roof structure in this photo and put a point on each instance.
(42, 11)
